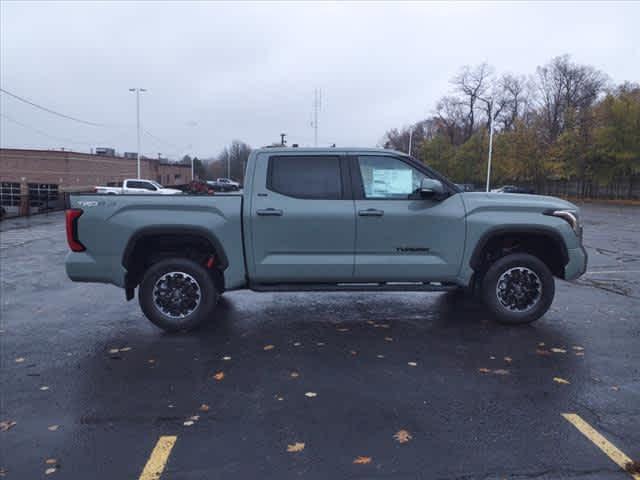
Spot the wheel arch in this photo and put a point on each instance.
(160, 237)
(535, 239)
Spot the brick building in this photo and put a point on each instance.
(38, 176)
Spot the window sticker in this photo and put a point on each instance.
(392, 182)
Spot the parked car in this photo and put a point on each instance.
(138, 186)
(513, 189)
(327, 219)
(224, 185)
(229, 182)
(466, 187)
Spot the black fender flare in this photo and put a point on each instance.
(146, 232)
(550, 233)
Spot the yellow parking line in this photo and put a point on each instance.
(599, 441)
(158, 459)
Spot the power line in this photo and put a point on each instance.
(79, 120)
(53, 112)
(40, 132)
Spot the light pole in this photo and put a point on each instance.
(410, 138)
(138, 90)
(489, 102)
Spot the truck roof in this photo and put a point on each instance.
(328, 150)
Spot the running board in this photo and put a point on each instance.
(355, 287)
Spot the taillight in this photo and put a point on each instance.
(72, 230)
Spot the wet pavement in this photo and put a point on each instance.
(478, 400)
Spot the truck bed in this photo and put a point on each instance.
(109, 223)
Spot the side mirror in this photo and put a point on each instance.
(430, 187)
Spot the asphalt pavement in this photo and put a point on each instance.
(318, 385)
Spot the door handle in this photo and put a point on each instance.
(269, 212)
(371, 212)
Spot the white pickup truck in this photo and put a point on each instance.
(138, 186)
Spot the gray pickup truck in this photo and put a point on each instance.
(326, 220)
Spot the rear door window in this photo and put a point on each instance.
(311, 177)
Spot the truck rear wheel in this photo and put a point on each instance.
(518, 288)
(177, 294)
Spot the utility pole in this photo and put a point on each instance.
(138, 90)
(283, 139)
(317, 106)
(192, 176)
(410, 138)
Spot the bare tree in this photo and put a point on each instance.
(565, 90)
(472, 83)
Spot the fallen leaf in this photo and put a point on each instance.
(320, 344)
(402, 436)
(279, 398)
(371, 322)
(311, 394)
(540, 351)
(188, 423)
(615, 388)
(204, 407)
(19, 359)
(296, 344)
(151, 360)
(579, 354)
(268, 347)
(388, 339)
(219, 376)
(44, 388)
(558, 350)
(53, 428)
(508, 359)
(577, 348)
(561, 380)
(353, 352)
(492, 357)
(541, 344)
(294, 375)
(114, 350)
(125, 349)
(51, 461)
(50, 470)
(501, 371)
(484, 370)
(380, 356)
(194, 418)
(7, 425)
(343, 329)
(362, 460)
(412, 364)
(3, 472)
(226, 359)
(632, 467)
(296, 447)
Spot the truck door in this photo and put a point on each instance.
(302, 219)
(399, 235)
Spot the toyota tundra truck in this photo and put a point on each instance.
(326, 220)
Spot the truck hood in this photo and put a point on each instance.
(513, 202)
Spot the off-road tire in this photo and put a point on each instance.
(195, 286)
(507, 302)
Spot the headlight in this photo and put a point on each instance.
(569, 216)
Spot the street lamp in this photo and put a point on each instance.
(138, 90)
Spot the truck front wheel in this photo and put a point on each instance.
(518, 288)
(177, 294)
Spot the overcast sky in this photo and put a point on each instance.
(221, 71)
